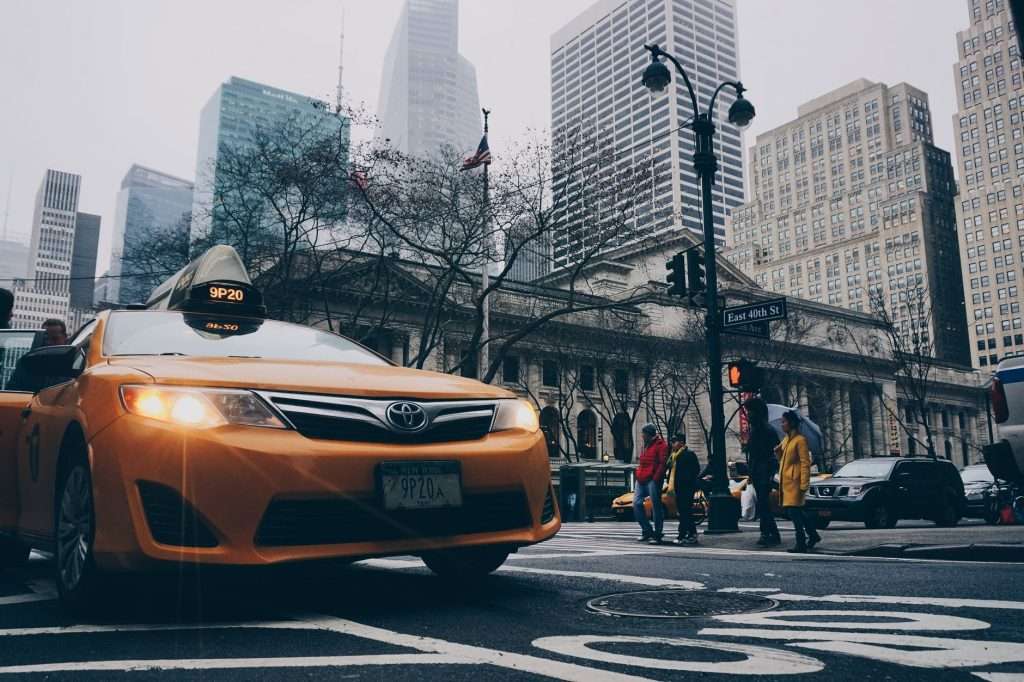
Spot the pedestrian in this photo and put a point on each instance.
(6, 308)
(683, 478)
(56, 332)
(650, 472)
(762, 465)
(794, 480)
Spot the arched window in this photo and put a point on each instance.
(586, 434)
(549, 425)
(622, 432)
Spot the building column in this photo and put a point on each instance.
(847, 423)
(835, 426)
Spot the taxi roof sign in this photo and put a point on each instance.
(216, 281)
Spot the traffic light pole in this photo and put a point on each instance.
(725, 509)
(723, 517)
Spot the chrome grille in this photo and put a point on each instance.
(367, 420)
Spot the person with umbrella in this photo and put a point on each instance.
(762, 465)
(794, 481)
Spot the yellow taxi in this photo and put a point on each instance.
(196, 430)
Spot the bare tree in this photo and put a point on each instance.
(904, 346)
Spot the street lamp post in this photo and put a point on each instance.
(725, 509)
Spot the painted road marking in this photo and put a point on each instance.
(939, 652)
(758, 661)
(909, 621)
(391, 564)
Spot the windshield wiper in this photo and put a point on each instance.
(173, 353)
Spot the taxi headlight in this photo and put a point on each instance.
(516, 414)
(198, 407)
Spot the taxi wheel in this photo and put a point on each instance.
(13, 553)
(75, 530)
(467, 563)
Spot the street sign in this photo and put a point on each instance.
(758, 329)
(754, 312)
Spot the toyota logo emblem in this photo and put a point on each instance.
(407, 416)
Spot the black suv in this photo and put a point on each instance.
(882, 490)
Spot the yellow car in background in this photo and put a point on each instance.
(622, 506)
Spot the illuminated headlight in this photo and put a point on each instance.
(516, 414)
(854, 490)
(199, 408)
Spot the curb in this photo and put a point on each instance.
(1010, 553)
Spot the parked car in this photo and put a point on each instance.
(984, 493)
(880, 491)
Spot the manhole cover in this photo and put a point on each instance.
(679, 604)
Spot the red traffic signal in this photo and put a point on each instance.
(745, 375)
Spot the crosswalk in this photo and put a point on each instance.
(611, 539)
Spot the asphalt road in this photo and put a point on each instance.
(545, 615)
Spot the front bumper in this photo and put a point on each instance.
(265, 496)
(835, 508)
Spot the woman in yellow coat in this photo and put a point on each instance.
(794, 480)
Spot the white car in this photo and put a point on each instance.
(1005, 457)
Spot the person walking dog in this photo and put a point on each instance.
(763, 466)
(794, 480)
(683, 478)
(650, 472)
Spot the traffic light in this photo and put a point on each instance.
(695, 281)
(676, 277)
(745, 375)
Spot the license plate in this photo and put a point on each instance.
(824, 513)
(420, 485)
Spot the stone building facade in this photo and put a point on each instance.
(590, 372)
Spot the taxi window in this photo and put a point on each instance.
(175, 333)
(14, 343)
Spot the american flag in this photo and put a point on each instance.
(481, 157)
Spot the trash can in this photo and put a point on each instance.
(570, 492)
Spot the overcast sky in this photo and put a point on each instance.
(93, 86)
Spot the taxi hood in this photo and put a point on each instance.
(350, 379)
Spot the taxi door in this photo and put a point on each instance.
(13, 344)
(45, 423)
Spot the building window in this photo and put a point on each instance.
(621, 381)
(587, 377)
(550, 373)
(510, 370)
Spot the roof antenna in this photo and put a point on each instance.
(341, 60)
(7, 205)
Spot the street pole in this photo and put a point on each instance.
(485, 275)
(724, 514)
(723, 517)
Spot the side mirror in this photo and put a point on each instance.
(51, 362)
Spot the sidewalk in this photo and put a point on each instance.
(969, 541)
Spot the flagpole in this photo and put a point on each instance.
(485, 274)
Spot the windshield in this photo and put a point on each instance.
(977, 475)
(866, 468)
(173, 333)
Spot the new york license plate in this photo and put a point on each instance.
(420, 485)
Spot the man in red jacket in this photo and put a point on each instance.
(650, 472)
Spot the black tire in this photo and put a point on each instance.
(78, 580)
(822, 524)
(948, 514)
(13, 552)
(879, 515)
(467, 563)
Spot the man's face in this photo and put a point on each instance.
(648, 437)
(55, 335)
(678, 444)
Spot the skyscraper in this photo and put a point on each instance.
(46, 291)
(990, 208)
(429, 97)
(596, 63)
(232, 117)
(853, 206)
(150, 204)
(83, 260)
